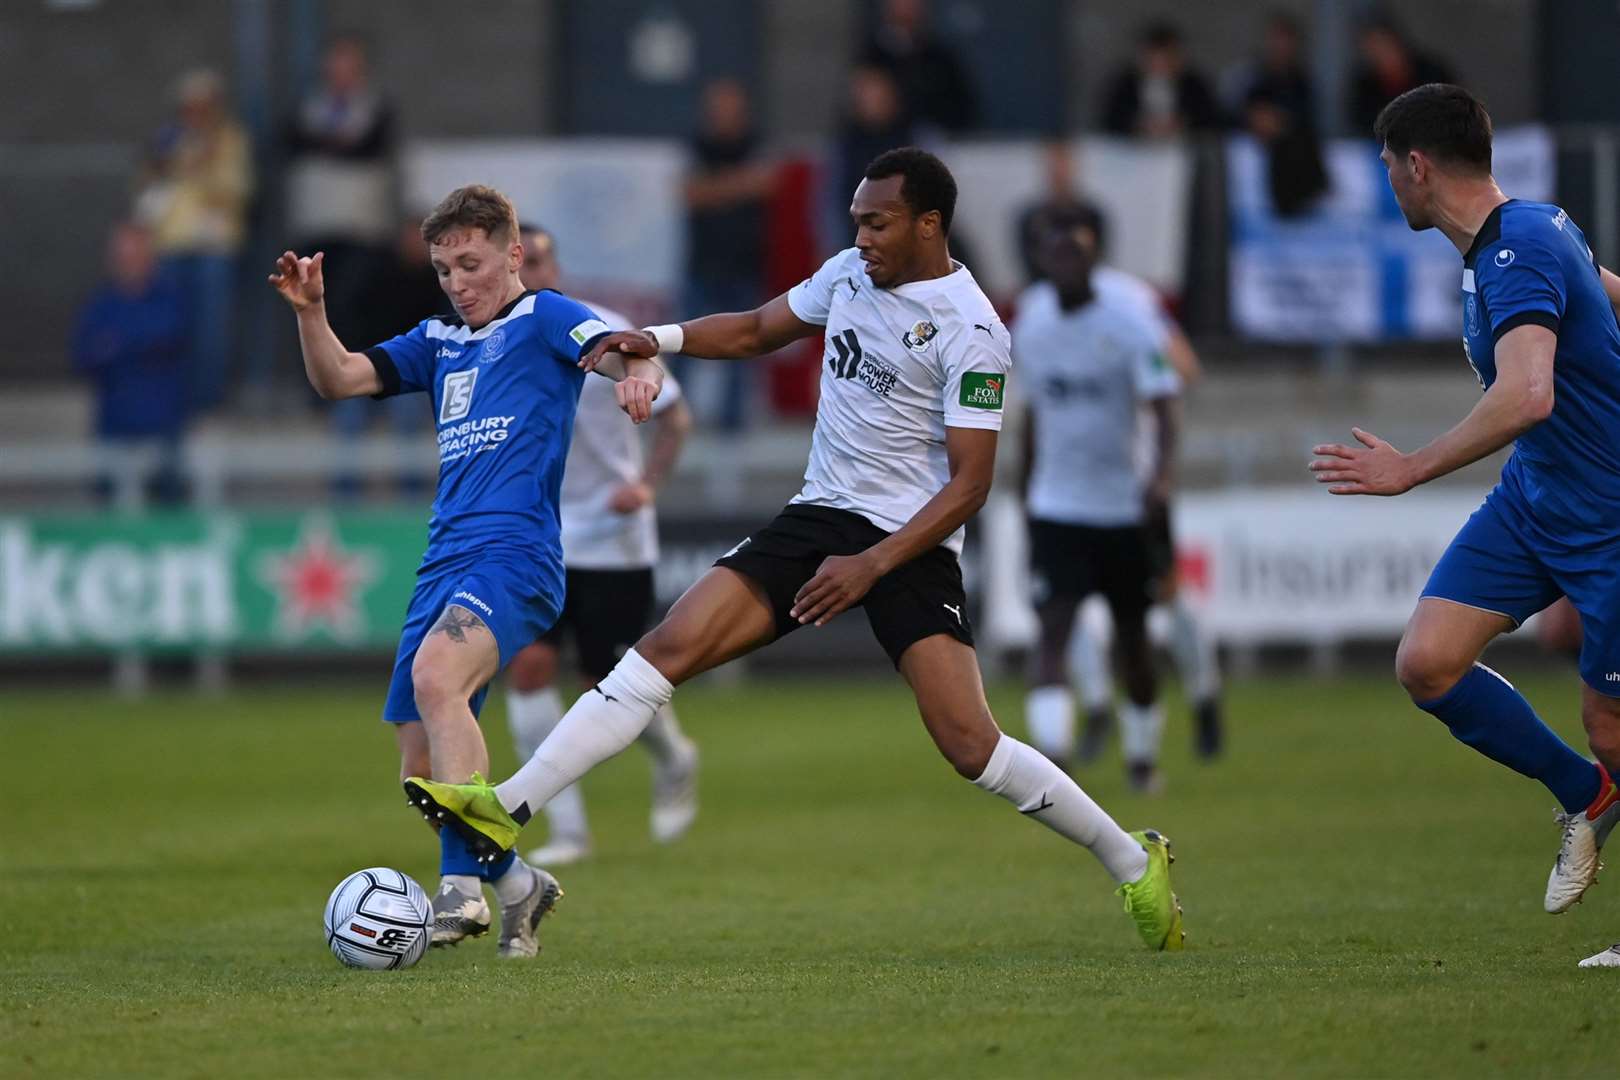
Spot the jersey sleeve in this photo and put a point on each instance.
(1520, 284)
(566, 326)
(811, 299)
(404, 362)
(976, 373)
(1151, 371)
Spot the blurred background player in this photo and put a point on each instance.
(1191, 646)
(1091, 363)
(504, 379)
(610, 547)
(1539, 330)
(902, 457)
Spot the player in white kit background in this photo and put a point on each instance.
(610, 549)
(902, 456)
(1091, 362)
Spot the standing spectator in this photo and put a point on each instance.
(130, 341)
(933, 81)
(1388, 67)
(725, 201)
(198, 181)
(875, 120)
(1159, 95)
(1278, 108)
(399, 293)
(340, 184)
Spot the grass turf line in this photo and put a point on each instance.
(1363, 898)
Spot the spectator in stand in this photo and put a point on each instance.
(194, 198)
(341, 196)
(397, 295)
(725, 196)
(1062, 201)
(1388, 67)
(933, 81)
(875, 120)
(1159, 95)
(1279, 109)
(130, 341)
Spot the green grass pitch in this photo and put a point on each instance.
(1363, 898)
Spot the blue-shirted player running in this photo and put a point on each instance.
(505, 380)
(1540, 331)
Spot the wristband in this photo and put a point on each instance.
(670, 337)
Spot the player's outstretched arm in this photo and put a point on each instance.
(842, 580)
(333, 371)
(1520, 398)
(1611, 285)
(732, 336)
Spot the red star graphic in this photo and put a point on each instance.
(1192, 569)
(318, 583)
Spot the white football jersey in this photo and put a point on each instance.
(606, 454)
(1085, 374)
(902, 365)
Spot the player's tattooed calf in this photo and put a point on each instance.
(455, 622)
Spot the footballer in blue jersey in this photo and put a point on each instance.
(1540, 331)
(505, 378)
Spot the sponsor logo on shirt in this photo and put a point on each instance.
(917, 338)
(493, 346)
(447, 353)
(1560, 219)
(1504, 257)
(473, 437)
(587, 330)
(853, 362)
(463, 594)
(982, 389)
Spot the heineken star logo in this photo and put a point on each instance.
(318, 584)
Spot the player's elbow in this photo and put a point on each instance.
(1536, 404)
(975, 491)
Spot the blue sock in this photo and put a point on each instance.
(455, 857)
(496, 870)
(1485, 712)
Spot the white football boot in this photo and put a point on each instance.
(521, 921)
(674, 800)
(1577, 867)
(458, 915)
(1609, 957)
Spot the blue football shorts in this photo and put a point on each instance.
(1501, 561)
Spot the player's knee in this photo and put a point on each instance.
(968, 745)
(1427, 669)
(671, 646)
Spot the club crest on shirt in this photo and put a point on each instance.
(917, 338)
(1471, 313)
(493, 346)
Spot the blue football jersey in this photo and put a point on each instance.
(1530, 264)
(504, 397)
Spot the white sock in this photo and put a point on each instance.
(1049, 719)
(1141, 729)
(602, 722)
(663, 737)
(531, 714)
(565, 816)
(1088, 661)
(467, 884)
(1024, 777)
(1194, 654)
(515, 884)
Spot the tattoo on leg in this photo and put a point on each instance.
(455, 622)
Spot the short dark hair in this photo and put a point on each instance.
(1082, 215)
(925, 184)
(1441, 120)
(473, 207)
(1161, 35)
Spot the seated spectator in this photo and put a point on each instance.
(934, 83)
(1061, 200)
(725, 264)
(1278, 74)
(1388, 67)
(130, 342)
(875, 120)
(1279, 110)
(194, 198)
(1159, 95)
(394, 297)
(341, 196)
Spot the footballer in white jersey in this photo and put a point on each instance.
(1092, 361)
(610, 548)
(916, 369)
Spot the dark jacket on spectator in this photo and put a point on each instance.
(133, 348)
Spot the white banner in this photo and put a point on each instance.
(614, 205)
(1280, 565)
(1351, 269)
(1144, 188)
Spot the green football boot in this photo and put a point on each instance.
(472, 809)
(1150, 901)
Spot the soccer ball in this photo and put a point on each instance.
(378, 919)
